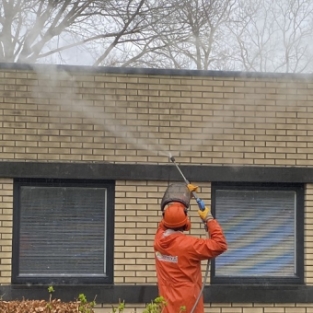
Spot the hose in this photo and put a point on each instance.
(203, 285)
(205, 277)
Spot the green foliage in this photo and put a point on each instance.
(82, 298)
(50, 290)
(120, 308)
(155, 306)
(85, 306)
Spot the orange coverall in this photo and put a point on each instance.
(178, 265)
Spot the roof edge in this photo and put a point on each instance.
(152, 71)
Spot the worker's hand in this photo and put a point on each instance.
(205, 214)
(192, 188)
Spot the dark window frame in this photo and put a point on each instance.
(299, 189)
(60, 280)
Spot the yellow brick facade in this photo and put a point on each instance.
(53, 115)
(88, 117)
(227, 308)
(6, 214)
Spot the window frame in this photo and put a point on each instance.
(299, 233)
(63, 280)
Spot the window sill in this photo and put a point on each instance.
(145, 293)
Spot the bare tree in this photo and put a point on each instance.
(273, 36)
(264, 36)
(247, 35)
(155, 33)
(192, 36)
(34, 30)
(27, 27)
(137, 20)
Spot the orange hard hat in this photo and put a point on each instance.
(175, 216)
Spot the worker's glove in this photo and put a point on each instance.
(205, 214)
(201, 204)
(192, 188)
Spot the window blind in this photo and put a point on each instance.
(62, 231)
(259, 226)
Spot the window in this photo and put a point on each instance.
(263, 225)
(63, 232)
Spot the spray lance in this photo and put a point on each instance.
(201, 206)
(200, 202)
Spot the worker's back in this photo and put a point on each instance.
(178, 264)
(179, 276)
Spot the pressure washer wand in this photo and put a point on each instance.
(208, 262)
(194, 194)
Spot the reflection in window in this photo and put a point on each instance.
(260, 225)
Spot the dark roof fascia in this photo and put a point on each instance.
(155, 172)
(153, 71)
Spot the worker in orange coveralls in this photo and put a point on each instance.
(178, 256)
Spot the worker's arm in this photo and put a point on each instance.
(201, 249)
(216, 243)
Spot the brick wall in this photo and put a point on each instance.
(6, 213)
(88, 117)
(75, 116)
(229, 308)
(137, 214)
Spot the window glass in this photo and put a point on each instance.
(260, 225)
(63, 232)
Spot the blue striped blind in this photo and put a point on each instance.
(260, 230)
